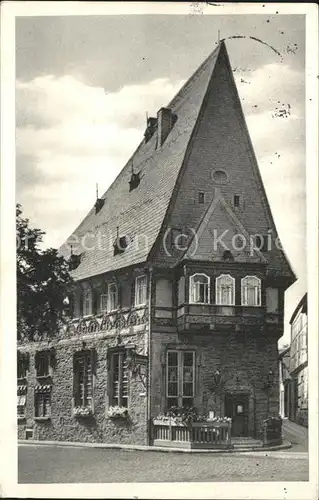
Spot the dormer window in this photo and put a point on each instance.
(150, 128)
(134, 181)
(120, 245)
(74, 261)
(228, 256)
(99, 204)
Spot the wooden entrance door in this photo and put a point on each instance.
(236, 407)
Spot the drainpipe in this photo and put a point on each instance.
(149, 381)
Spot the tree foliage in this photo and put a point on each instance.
(43, 283)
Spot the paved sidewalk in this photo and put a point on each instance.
(285, 445)
(297, 435)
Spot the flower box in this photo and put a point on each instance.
(82, 412)
(117, 412)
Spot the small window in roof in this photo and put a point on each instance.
(227, 255)
(134, 181)
(120, 245)
(201, 197)
(98, 204)
(74, 261)
(219, 176)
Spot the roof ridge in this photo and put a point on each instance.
(194, 75)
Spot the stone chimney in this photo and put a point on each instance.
(164, 125)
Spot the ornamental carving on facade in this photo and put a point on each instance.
(82, 327)
(120, 321)
(93, 326)
(106, 323)
(133, 319)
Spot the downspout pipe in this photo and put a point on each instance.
(149, 346)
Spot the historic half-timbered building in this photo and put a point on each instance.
(179, 285)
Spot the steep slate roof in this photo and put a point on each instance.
(139, 214)
(206, 106)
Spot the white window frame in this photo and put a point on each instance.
(257, 293)
(192, 289)
(103, 297)
(180, 382)
(122, 398)
(89, 302)
(116, 295)
(137, 281)
(218, 290)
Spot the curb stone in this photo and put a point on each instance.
(131, 447)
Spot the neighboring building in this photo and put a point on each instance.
(284, 381)
(173, 305)
(298, 367)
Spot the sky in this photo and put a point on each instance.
(85, 83)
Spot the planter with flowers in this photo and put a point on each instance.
(82, 412)
(117, 412)
(272, 430)
(184, 427)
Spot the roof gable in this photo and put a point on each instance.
(218, 233)
(221, 142)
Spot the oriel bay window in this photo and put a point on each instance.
(225, 290)
(251, 291)
(199, 289)
(83, 379)
(180, 378)
(118, 378)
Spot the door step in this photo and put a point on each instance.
(246, 443)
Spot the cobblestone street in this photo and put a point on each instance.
(62, 464)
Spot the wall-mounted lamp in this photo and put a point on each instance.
(269, 379)
(216, 379)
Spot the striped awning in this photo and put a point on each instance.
(22, 388)
(43, 388)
